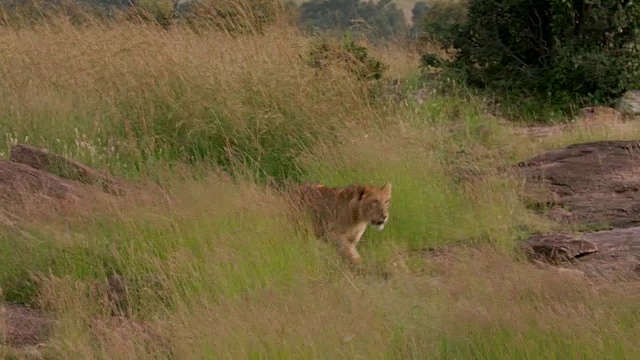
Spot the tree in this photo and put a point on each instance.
(441, 21)
(573, 49)
(417, 16)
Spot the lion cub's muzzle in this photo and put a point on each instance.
(379, 223)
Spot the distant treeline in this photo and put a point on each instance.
(375, 19)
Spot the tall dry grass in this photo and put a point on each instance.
(149, 95)
(220, 270)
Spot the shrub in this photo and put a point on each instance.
(348, 55)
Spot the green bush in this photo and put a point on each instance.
(349, 55)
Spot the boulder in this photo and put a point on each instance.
(19, 181)
(597, 183)
(610, 254)
(618, 256)
(556, 248)
(594, 185)
(42, 159)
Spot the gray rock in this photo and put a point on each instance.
(597, 183)
(610, 254)
(629, 103)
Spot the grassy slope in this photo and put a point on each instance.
(221, 271)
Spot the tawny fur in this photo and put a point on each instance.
(341, 215)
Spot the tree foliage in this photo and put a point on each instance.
(418, 13)
(579, 49)
(441, 21)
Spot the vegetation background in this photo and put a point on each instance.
(217, 100)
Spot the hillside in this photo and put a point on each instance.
(161, 229)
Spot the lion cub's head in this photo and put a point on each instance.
(373, 204)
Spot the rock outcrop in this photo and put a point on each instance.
(598, 183)
(592, 185)
(42, 159)
(31, 179)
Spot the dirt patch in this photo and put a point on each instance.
(21, 325)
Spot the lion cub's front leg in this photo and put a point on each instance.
(347, 249)
(346, 242)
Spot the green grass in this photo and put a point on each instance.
(219, 269)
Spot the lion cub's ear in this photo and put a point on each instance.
(361, 190)
(387, 188)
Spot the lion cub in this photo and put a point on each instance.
(340, 215)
